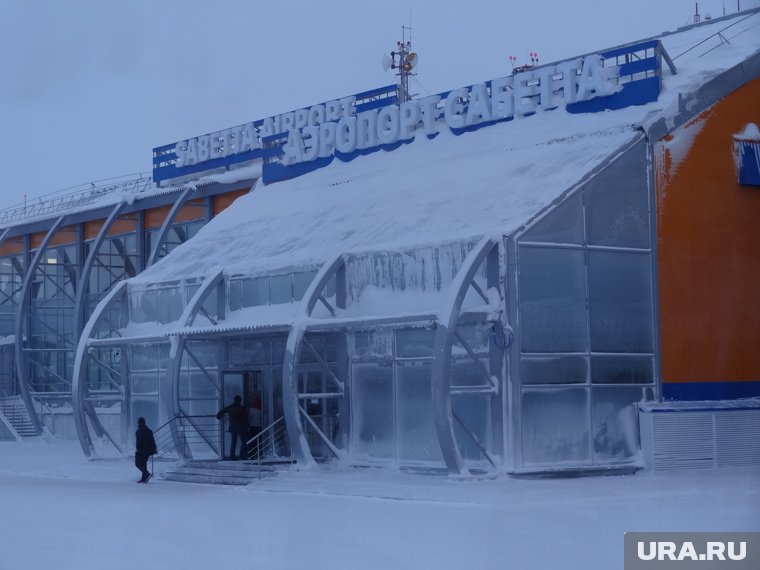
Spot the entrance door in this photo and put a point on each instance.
(233, 384)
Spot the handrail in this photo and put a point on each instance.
(162, 434)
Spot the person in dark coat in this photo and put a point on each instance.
(145, 446)
(238, 419)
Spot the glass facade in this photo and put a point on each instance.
(586, 312)
(392, 407)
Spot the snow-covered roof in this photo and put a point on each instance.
(486, 182)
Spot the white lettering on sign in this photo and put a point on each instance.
(320, 130)
(507, 97)
(247, 137)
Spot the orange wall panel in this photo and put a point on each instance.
(708, 230)
(223, 201)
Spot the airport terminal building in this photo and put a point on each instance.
(552, 270)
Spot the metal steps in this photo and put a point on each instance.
(220, 472)
(14, 410)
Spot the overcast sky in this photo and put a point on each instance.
(89, 87)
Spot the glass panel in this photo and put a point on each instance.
(412, 343)
(170, 305)
(278, 351)
(301, 282)
(417, 439)
(466, 372)
(203, 386)
(204, 352)
(616, 434)
(373, 432)
(474, 410)
(255, 291)
(234, 353)
(144, 357)
(144, 383)
(620, 302)
(617, 203)
(281, 289)
(554, 370)
(622, 369)
(552, 300)
(235, 300)
(373, 344)
(476, 336)
(555, 426)
(143, 306)
(564, 224)
(256, 352)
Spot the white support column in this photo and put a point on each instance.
(291, 408)
(441, 366)
(79, 390)
(169, 386)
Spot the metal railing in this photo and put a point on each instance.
(74, 197)
(270, 444)
(197, 433)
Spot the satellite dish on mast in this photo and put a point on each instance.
(410, 62)
(387, 62)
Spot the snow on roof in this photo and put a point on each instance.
(486, 182)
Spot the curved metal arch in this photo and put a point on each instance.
(84, 280)
(298, 444)
(79, 388)
(21, 316)
(169, 389)
(166, 225)
(441, 366)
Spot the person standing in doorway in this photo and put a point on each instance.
(238, 420)
(145, 446)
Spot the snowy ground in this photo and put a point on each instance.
(60, 511)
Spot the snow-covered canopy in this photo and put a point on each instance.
(487, 182)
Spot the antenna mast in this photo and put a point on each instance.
(403, 59)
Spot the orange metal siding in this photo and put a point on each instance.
(223, 201)
(709, 250)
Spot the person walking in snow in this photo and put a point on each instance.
(145, 446)
(238, 420)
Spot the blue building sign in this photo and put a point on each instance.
(303, 140)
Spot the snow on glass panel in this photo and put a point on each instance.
(373, 344)
(563, 224)
(620, 302)
(554, 370)
(617, 203)
(417, 439)
(555, 426)
(280, 289)
(373, 428)
(552, 292)
(614, 422)
(412, 343)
